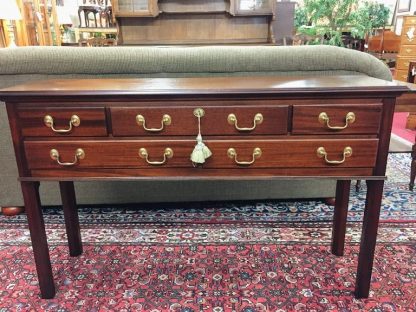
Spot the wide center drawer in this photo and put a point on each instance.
(217, 120)
(73, 122)
(336, 119)
(225, 153)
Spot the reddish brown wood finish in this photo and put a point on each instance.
(198, 173)
(373, 204)
(93, 121)
(288, 137)
(197, 88)
(368, 238)
(275, 153)
(305, 118)
(71, 217)
(31, 198)
(185, 123)
(340, 217)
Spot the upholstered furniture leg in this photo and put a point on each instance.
(368, 237)
(71, 217)
(12, 211)
(31, 199)
(340, 216)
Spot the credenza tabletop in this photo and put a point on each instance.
(203, 85)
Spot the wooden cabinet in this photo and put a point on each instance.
(135, 8)
(407, 51)
(194, 21)
(259, 128)
(251, 7)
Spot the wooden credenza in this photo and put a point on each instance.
(256, 128)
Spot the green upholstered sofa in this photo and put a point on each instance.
(40, 63)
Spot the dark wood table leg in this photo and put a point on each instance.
(340, 216)
(368, 238)
(358, 185)
(71, 217)
(413, 168)
(33, 207)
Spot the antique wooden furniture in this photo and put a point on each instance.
(407, 103)
(385, 40)
(180, 22)
(384, 44)
(101, 12)
(407, 51)
(256, 127)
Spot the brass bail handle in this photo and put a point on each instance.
(79, 154)
(232, 153)
(324, 119)
(168, 153)
(232, 120)
(166, 121)
(321, 153)
(75, 121)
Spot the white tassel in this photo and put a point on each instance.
(201, 151)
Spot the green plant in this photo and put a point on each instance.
(329, 18)
(370, 15)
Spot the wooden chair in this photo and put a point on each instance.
(101, 42)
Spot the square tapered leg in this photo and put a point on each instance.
(71, 217)
(38, 235)
(368, 238)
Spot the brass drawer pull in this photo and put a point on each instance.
(324, 119)
(321, 153)
(408, 50)
(232, 120)
(79, 154)
(168, 153)
(232, 153)
(74, 122)
(166, 120)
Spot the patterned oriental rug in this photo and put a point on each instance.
(232, 256)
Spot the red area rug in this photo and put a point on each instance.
(243, 257)
(399, 127)
(213, 277)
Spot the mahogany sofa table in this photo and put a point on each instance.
(334, 127)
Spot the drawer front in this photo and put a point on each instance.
(402, 75)
(403, 63)
(408, 36)
(233, 120)
(49, 122)
(406, 40)
(409, 21)
(408, 50)
(332, 119)
(358, 153)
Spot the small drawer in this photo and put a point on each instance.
(408, 50)
(405, 39)
(401, 75)
(358, 153)
(72, 122)
(403, 63)
(409, 21)
(336, 119)
(217, 120)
